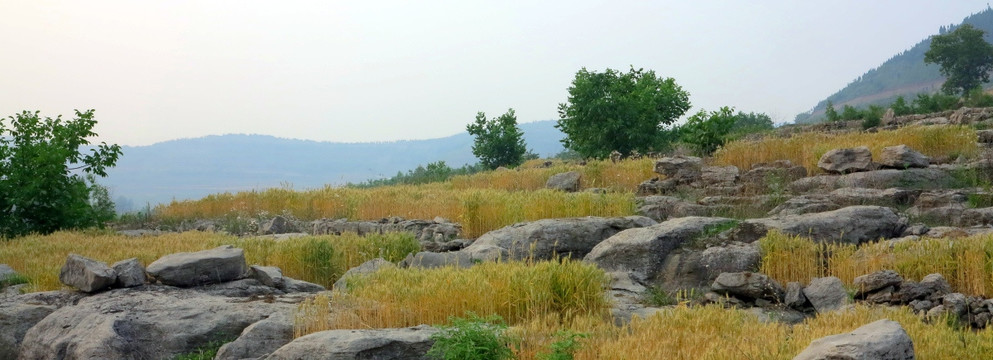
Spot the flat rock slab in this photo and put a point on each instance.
(567, 237)
(402, 344)
(749, 286)
(852, 225)
(224, 263)
(880, 340)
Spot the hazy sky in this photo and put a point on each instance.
(389, 70)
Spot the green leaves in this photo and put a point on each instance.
(46, 184)
(706, 132)
(620, 111)
(472, 337)
(499, 142)
(965, 58)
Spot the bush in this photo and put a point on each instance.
(872, 116)
(471, 337)
(707, 132)
(565, 347)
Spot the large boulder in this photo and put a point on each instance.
(749, 286)
(158, 322)
(683, 169)
(902, 157)
(365, 268)
(277, 225)
(928, 178)
(567, 181)
(843, 161)
(568, 237)
(876, 281)
(643, 251)
(86, 274)
(730, 258)
(130, 273)
(826, 294)
(224, 263)
(853, 225)
(261, 338)
(402, 344)
(880, 340)
(22, 312)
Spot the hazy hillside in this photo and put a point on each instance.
(193, 168)
(903, 74)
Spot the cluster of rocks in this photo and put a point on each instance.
(689, 171)
(439, 234)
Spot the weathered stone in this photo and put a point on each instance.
(769, 178)
(881, 296)
(300, 286)
(931, 287)
(878, 280)
(401, 344)
(567, 181)
(270, 276)
(718, 176)
(7, 275)
(985, 136)
(794, 296)
(130, 273)
(680, 168)
(804, 204)
(734, 257)
(20, 313)
(261, 338)
(277, 225)
(849, 196)
(852, 225)
(365, 268)
(643, 251)
(568, 237)
(158, 322)
(224, 263)
(842, 161)
(826, 294)
(929, 178)
(86, 274)
(955, 303)
(748, 286)
(921, 305)
(880, 340)
(902, 157)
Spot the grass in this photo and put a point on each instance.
(807, 148)
(318, 259)
(478, 210)
(966, 262)
(624, 176)
(515, 291)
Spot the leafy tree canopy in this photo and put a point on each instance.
(620, 111)
(46, 183)
(965, 58)
(708, 131)
(499, 142)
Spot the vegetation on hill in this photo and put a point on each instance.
(498, 141)
(964, 57)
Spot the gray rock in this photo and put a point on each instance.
(766, 178)
(680, 168)
(300, 286)
(853, 225)
(431, 260)
(86, 274)
(158, 322)
(826, 294)
(567, 181)
(22, 312)
(662, 208)
(130, 273)
(921, 305)
(730, 258)
(568, 237)
(878, 280)
(794, 296)
(718, 176)
(880, 340)
(643, 251)
(241, 288)
(748, 286)
(270, 276)
(401, 344)
(929, 178)
(6, 275)
(261, 338)
(902, 157)
(277, 225)
(849, 196)
(365, 268)
(955, 303)
(804, 204)
(936, 284)
(881, 296)
(224, 263)
(842, 161)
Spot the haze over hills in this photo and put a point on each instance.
(193, 168)
(904, 74)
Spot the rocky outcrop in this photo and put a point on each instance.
(731, 258)
(749, 286)
(876, 281)
(567, 181)
(880, 340)
(804, 204)
(868, 196)
(365, 268)
(853, 225)
(22, 312)
(568, 237)
(643, 251)
(843, 161)
(403, 344)
(86, 274)
(902, 157)
(261, 338)
(434, 235)
(929, 178)
(826, 294)
(130, 273)
(221, 264)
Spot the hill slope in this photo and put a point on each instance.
(193, 168)
(903, 74)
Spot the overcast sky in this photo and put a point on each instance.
(391, 70)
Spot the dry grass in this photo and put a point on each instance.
(622, 176)
(712, 332)
(967, 263)
(807, 148)
(478, 210)
(517, 291)
(319, 259)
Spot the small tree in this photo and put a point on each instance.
(900, 107)
(830, 112)
(499, 142)
(965, 58)
(706, 132)
(43, 175)
(620, 111)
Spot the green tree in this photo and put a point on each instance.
(751, 123)
(831, 113)
(706, 132)
(46, 182)
(965, 58)
(620, 111)
(499, 142)
(849, 112)
(900, 107)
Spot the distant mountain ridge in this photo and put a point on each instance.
(904, 74)
(193, 168)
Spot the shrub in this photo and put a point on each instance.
(471, 337)
(706, 132)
